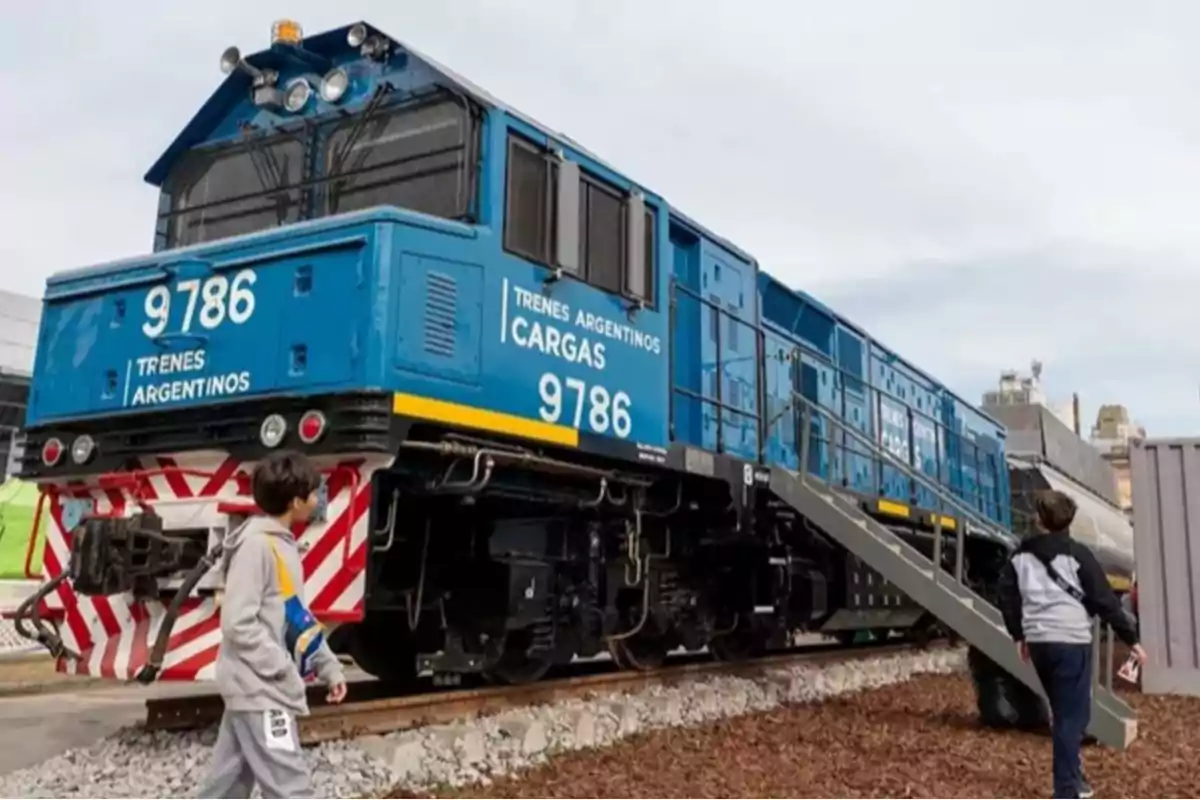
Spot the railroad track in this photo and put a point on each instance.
(394, 713)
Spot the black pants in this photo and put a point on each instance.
(1066, 674)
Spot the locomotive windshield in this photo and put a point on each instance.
(415, 157)
(229, 191)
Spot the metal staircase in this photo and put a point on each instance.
(941, 593)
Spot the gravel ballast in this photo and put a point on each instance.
(920, 738)
(141, 764)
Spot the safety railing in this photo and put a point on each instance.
(717, 401)
(978, 497)
(944, 498)
(874, 397)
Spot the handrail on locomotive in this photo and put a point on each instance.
(800, 349)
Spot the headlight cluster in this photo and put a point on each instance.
(298, 91)
(370, 45)
(334, 85)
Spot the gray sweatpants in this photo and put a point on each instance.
(258, 747)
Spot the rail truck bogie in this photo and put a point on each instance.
(545, 403)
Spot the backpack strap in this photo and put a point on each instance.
(1060, 581)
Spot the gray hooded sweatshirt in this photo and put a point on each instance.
(254, 670)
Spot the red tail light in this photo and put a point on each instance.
(312, 426)
(52, 452)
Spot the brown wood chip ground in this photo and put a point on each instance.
(918, 739)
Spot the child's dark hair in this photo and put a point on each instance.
(1055, 510)
(281, 478)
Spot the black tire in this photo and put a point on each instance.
(1002, 700)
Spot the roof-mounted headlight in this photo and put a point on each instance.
(334, 85)
(369, 45)
(296, 94)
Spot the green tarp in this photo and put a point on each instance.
(18, 503)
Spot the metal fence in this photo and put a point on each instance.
(1166, 522)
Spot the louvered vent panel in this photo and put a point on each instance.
(441, 308)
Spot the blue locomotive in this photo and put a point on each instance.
(544, 400)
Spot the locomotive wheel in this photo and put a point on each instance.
(646, 649)
(738, 645)
(924, 631)
(515, 665)
(382, 647)
(641, 652)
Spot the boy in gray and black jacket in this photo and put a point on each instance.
(1049, 591)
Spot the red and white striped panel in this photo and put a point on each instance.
(114, 634)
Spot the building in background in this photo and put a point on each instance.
(1044, 450)
(1111, 436)
(1049, 433)
(1018, 390)
(19, 319)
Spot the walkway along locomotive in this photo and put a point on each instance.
(551, 410)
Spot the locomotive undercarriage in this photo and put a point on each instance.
(504, 562)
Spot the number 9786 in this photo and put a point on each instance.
(605, 410)
(209, 302)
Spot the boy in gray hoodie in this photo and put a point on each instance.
(270, 642)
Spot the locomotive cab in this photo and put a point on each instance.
(316, 128)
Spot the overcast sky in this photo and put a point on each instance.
(977, 184)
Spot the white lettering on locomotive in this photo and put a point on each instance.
(199, 387)
(515, 324)
(550, 326)
(548, 339)
(209, 386)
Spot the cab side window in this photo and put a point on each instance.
(528, 230)
(532, 226)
